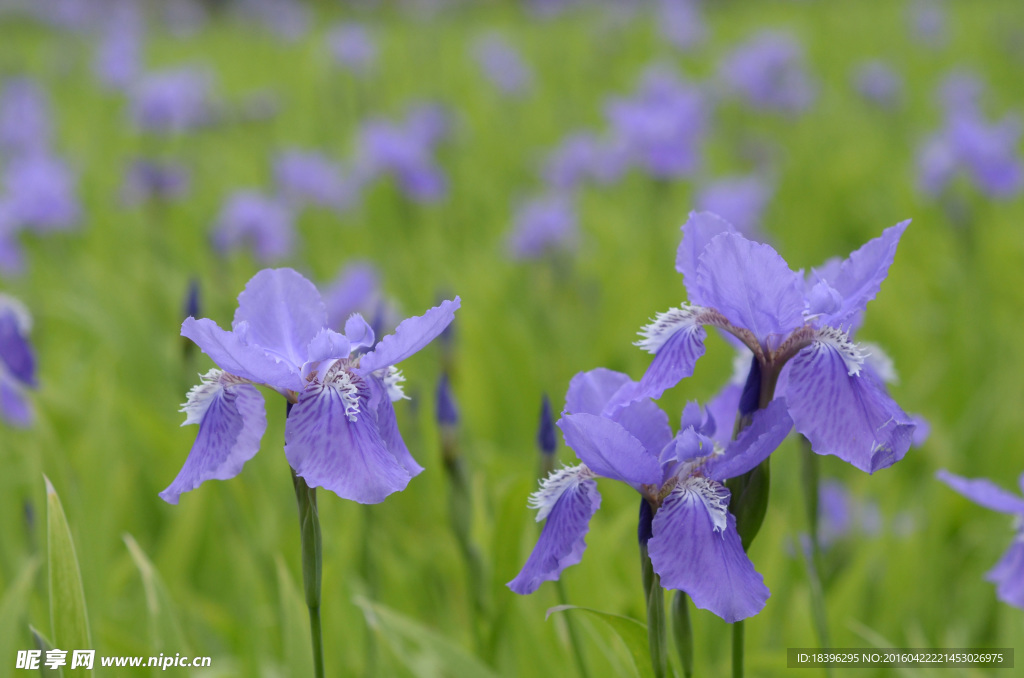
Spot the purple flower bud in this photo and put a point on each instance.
(502, 65)
(256, 222)
(17, 362)
(447, 412)
(353, 47)
(547, 443)
(543, 224)
(192, 299)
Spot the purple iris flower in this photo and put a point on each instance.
(253, 220)
(341, 434)
(405, 151)
(17, 362)
(740, 200)
(583, 157)
(353, 47)
(357, 289)
(503, 65)
(769, 72)
(147, 180)
(797, 330)
(663, 125)
(1008, 574)
(544, 224)
(987, 153)
(680, 23)
(695, 546)
(41, 192)
(840, 513)
(928, 22)
(961, 92)
(878, 83)
(25, 124)
(172, 101)
(313, 177)
(118, 59)
(287, 19)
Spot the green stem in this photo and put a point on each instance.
(574, 635)
(312, 559)
(811, 481)
(656, 635)
(682, 630)
(737, 649)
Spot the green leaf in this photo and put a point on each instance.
(632, 633)
(44, 645)
(68, 615)
(294, 624)
(164, 629)
(424, 651)
(13, 610)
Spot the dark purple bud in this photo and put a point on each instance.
(16, 354)
(645, 528)
(192, 299)
(751, 395)
(447, 413)
(546, 440)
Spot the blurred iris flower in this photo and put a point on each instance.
(542, 225)
(118, 59)
(172, 101)
(878, 83)
(17, 362)
(341, 434)
(313, 177)
(258, 222)
(25, 118)
(406, 152)
(768, 71)
(694, 545)
(1008, 574)
(353, 47)
(357, 289)
(798, 331)
(502, 65)
(582, 157)
(147, 180)
(680, 23)
(41, 193)
(740, 200)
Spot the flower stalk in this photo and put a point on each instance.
(682, 632)
(657, 638)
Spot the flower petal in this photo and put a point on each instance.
(232, 419)
(766, 431)
(283, 313)
(15, 351)
(724, 408)
(983, 492)
(328, 344)
(574, 500)
(696, 549)
(359, 332)
(389, 432)
(609, 450)
(410, 336)
(233, 355)
(590, 391)
(698, 231)
(860, 276)
(751, 285)
(848, 415)
(331, 447)
(14, 406)
(1008, 575)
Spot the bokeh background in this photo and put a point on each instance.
(537, 159)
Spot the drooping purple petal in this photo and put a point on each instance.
(329, 449)
(751, 285)
(696, 549)
(233, 355)
(283, 312)
(561, 542)
(411, 335)
(767, 430)
(860, 276)
(1008, 575)
(609, 450)
(983, 492)
(846, 414)
(389, 432)
(15, 352)
(232, 419)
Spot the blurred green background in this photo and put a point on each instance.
(107, 301)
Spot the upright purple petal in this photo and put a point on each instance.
(328, 344)
(984, 493)
(411, 335)
(724, 407)
(769, 428)
(572, 502)
(356, 289)
(590, 392)
(609, 450)
(696, 549)
(282, 312)
(700, 228)
(331, 447)
(232, 419)
(843, 412)
(235, 356)
(1008, 575)
(751, 285)
(861, 275)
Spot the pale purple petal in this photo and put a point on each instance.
(861, 275)
(589, 393)
(330, 450)
(233, 355)
(751, 285)
(561, 542)
(392, 437)
(359, 332)
(283, 312)
(848, 415)
(609, 450)
(700, 228)
(922, 429)
(767, 430)
(696, 549)
(410, 336)
(673, 362)
(231, 424)
(328, 344)
(1008, 575)
(984, 493)
(724, 407)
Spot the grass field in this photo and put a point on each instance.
(107, 302)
